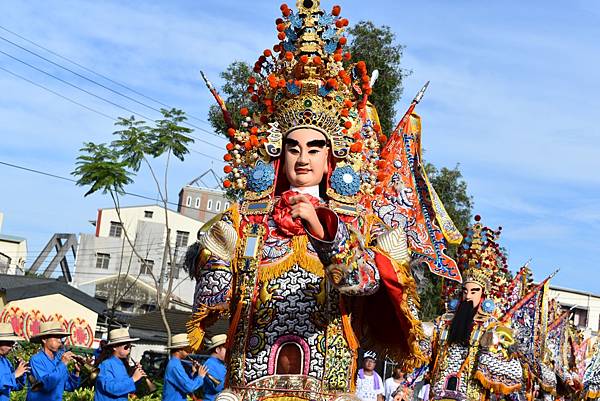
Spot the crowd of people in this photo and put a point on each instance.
(46, 375)
(399, 387)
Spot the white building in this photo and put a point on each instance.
(13, 252)
(107, 268)
(584, 306)
(202, 201)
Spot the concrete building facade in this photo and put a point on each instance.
(108, 268)
(584, 306)
(13, 252)
(202, 203)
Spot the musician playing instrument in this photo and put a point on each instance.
(216, 368)
(114, 381)
(178, 384)
(50, 376)
(10, 378)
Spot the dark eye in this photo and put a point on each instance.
(293, 151)
(313, 151)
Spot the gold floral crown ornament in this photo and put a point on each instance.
(307, 81)
(482, 261)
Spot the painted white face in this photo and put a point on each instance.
(305, 157)
(472, 292)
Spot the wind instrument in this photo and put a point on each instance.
(195, 363)
(34, 383)
(149, 384)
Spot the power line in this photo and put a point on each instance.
(88, 251)
(91, 109)
(96, 73)
(58, 94)
(97, 96)
(100, 84)
(75, 181)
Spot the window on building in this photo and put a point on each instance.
(102, 260)
(188, 201)
(146, 267)
(182, 238)
(148, 214)
(148, 307)
(209, 204)
(579, 317)
(218, 206)
(116, 229)
(126, 306)
(226, 206)
(4, 263)
(197, 203)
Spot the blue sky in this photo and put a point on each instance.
(513, 99)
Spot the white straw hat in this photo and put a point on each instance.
(179, 341)
(119, 336)
(50, 329)
(215, 341)
(7, 333)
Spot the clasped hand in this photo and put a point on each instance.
(301, 207)
(138, 373)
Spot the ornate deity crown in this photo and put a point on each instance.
(307, 81)
(481, 260)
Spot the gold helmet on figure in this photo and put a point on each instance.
(306, 80)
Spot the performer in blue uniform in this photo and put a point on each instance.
(178, 384)
(113, 382)
(49, 365)
(215, 366)
(10, 378)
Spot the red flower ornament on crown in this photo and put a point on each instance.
(304, 82)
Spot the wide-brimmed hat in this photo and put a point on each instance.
(220, 239)
(119, 336)
(50, 329)
(179, 341)
(215, 341)
(7, 333)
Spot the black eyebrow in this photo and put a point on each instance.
(290, 142)
(317, 143)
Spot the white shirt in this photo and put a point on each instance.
(424, 393)
(365, 388)
(314, 190)
(389, 387)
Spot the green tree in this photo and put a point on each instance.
(109, 168)
(234, 94)
(377, 47)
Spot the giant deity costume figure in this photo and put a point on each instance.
(470, 347)
(591, 377)
(315, 258)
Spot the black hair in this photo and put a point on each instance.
(106, 353)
